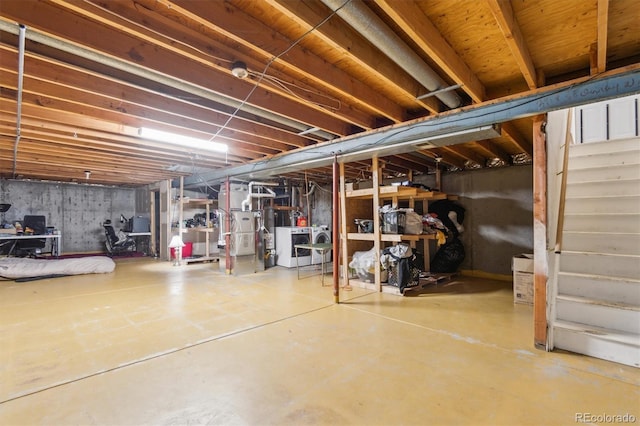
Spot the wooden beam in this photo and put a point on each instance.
(409, 17)
(94, 130)
(467, 154)
(310, 67)
(118, 95)
(238, 144)
(494, 151)
(402, 164)
(593, 59)
(503, 12)
(206, 19)
(447, 157)
(418, 162)
(540, 265)
(514, 136)
(603, 29)
(347, 42)
(96, 36)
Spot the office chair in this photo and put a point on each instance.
(115, 244)
(32, 247)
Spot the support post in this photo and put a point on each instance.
(540, 266)
(227, 228)
(376, 170)
(335, 231)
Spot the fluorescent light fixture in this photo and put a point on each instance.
(186, 141)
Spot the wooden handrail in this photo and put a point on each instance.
(568, 140)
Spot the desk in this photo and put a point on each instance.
(56, 244)
(321, 247)
(136, 235)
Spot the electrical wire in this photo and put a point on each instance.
(282, 84)
(158, 33)
(268, 65)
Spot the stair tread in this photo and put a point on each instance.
(602, 166)
(599, 197)
(585, 182)
(630, 281)
(612, 214)
(598, 302)
(604, 333)
(601, 232)
(573, 154)
(589, 253)
(625, 144)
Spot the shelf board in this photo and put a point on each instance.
(360, 193)
(197, 229)
(357, 236)
(356, 282)
(394, 238)
(391, 191)
(201, 259)
(202, 201)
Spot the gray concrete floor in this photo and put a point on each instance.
(156, 344)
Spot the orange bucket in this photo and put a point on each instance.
(302, 221)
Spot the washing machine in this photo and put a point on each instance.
(320, 235)
(286, 239)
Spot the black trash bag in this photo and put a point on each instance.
(449, 257)
(442, 208)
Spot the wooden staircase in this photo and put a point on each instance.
(596, 310)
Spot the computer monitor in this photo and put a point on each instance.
(36, 222)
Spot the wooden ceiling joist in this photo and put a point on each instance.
(503, 13)
(96, 72)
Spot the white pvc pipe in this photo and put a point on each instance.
(270, 194)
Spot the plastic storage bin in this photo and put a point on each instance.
(187, 250)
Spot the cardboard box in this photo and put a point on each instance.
(351, 186)
(522, 267)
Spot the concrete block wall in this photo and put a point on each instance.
(76, 210)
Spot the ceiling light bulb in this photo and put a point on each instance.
(239, 69)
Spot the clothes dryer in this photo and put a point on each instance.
(320, 235)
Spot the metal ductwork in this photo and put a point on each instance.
(370, 26)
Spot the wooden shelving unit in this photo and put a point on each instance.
(365, 203)
(190, 203)
(207, 231)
